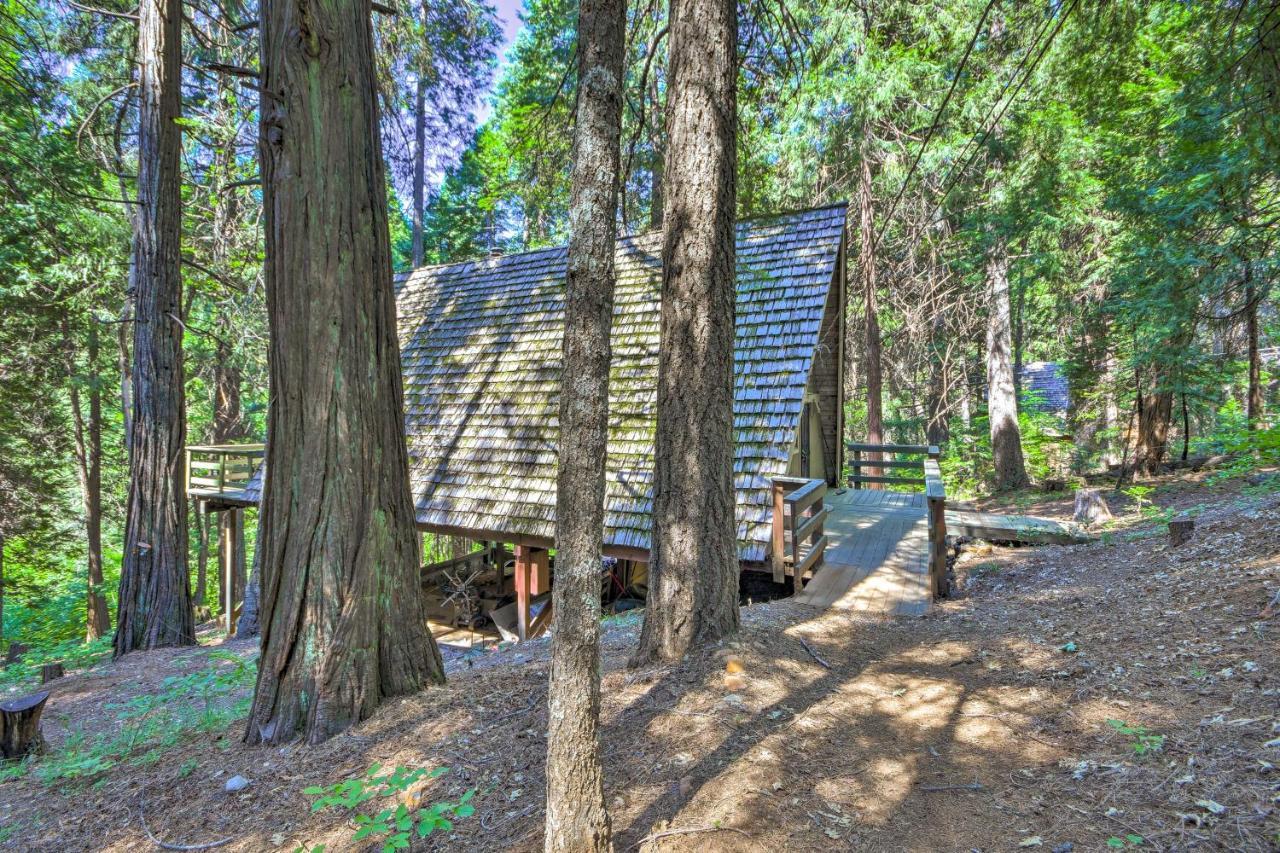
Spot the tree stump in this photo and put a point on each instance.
(20, 726)
(50, 671)
(15, 653)
(1180, 531)
(1091, 508)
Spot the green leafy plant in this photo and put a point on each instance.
(1141, 741)
(1117, 843)
(396, 825)
(151, 724)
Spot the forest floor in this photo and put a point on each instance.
(1119, 694)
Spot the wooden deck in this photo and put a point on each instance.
(877, 556)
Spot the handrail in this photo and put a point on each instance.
(219, 469)
(798, 542)
(881, 463)
(935, 495)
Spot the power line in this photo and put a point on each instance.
(1004, 90)
(937, 120)
(950, 181)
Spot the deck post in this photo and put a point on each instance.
(936, 498)
(778, 552)
(533, 577)
(231, 559)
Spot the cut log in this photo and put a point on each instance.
(51, 671)
(20, 726)
(1091, 507)
(1180, 531)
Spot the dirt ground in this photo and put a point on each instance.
(981, 726)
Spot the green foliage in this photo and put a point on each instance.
(73, 654)
(1141, 741)
(151, 724)
(1117, 843)
(396, 826)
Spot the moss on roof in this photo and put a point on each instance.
(481, 356)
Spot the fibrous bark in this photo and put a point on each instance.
(155, 597)
(343, 621)
(693, 576)
(871, 320)
(249, 625)
(1253, 400)
(576, 818)
(1002, 402)
(88, 450)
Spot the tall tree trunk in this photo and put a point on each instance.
(693, 576)
(1117, 434)
(419, 165)
(871, 319)
(154, 606)
(228, 428)
(576, 817)
(124, 362)
(249, 624)
(1154, 415)
(202, 563)
(1002, 402)
(1254, 402)
(343, 621)
(88, 450)
(937, 429)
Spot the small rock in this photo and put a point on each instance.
(236, 783)
(1064, 847)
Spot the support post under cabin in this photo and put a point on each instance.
(231, 557)
(533, 577)
(778, 552)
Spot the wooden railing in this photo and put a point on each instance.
(220, 469)
(906, 458)
(798, 517)
(935, 497)
(910, 465)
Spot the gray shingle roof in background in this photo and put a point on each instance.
(1047, 381)
(481, 357)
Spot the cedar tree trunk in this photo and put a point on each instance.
(155, 593)
(202, 563)
(88, 444)
(1002, 402)
(1254, 403)
(249, 626)
(1153, 430)
(871, 320)
(228, 428)
(693, 576)
(343, 621)
(576, 818)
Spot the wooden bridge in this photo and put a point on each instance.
(862, 548)
(886, 551)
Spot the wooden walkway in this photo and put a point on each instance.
(877, 557)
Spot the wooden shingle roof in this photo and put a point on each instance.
(480, 346)
(1045, 385)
